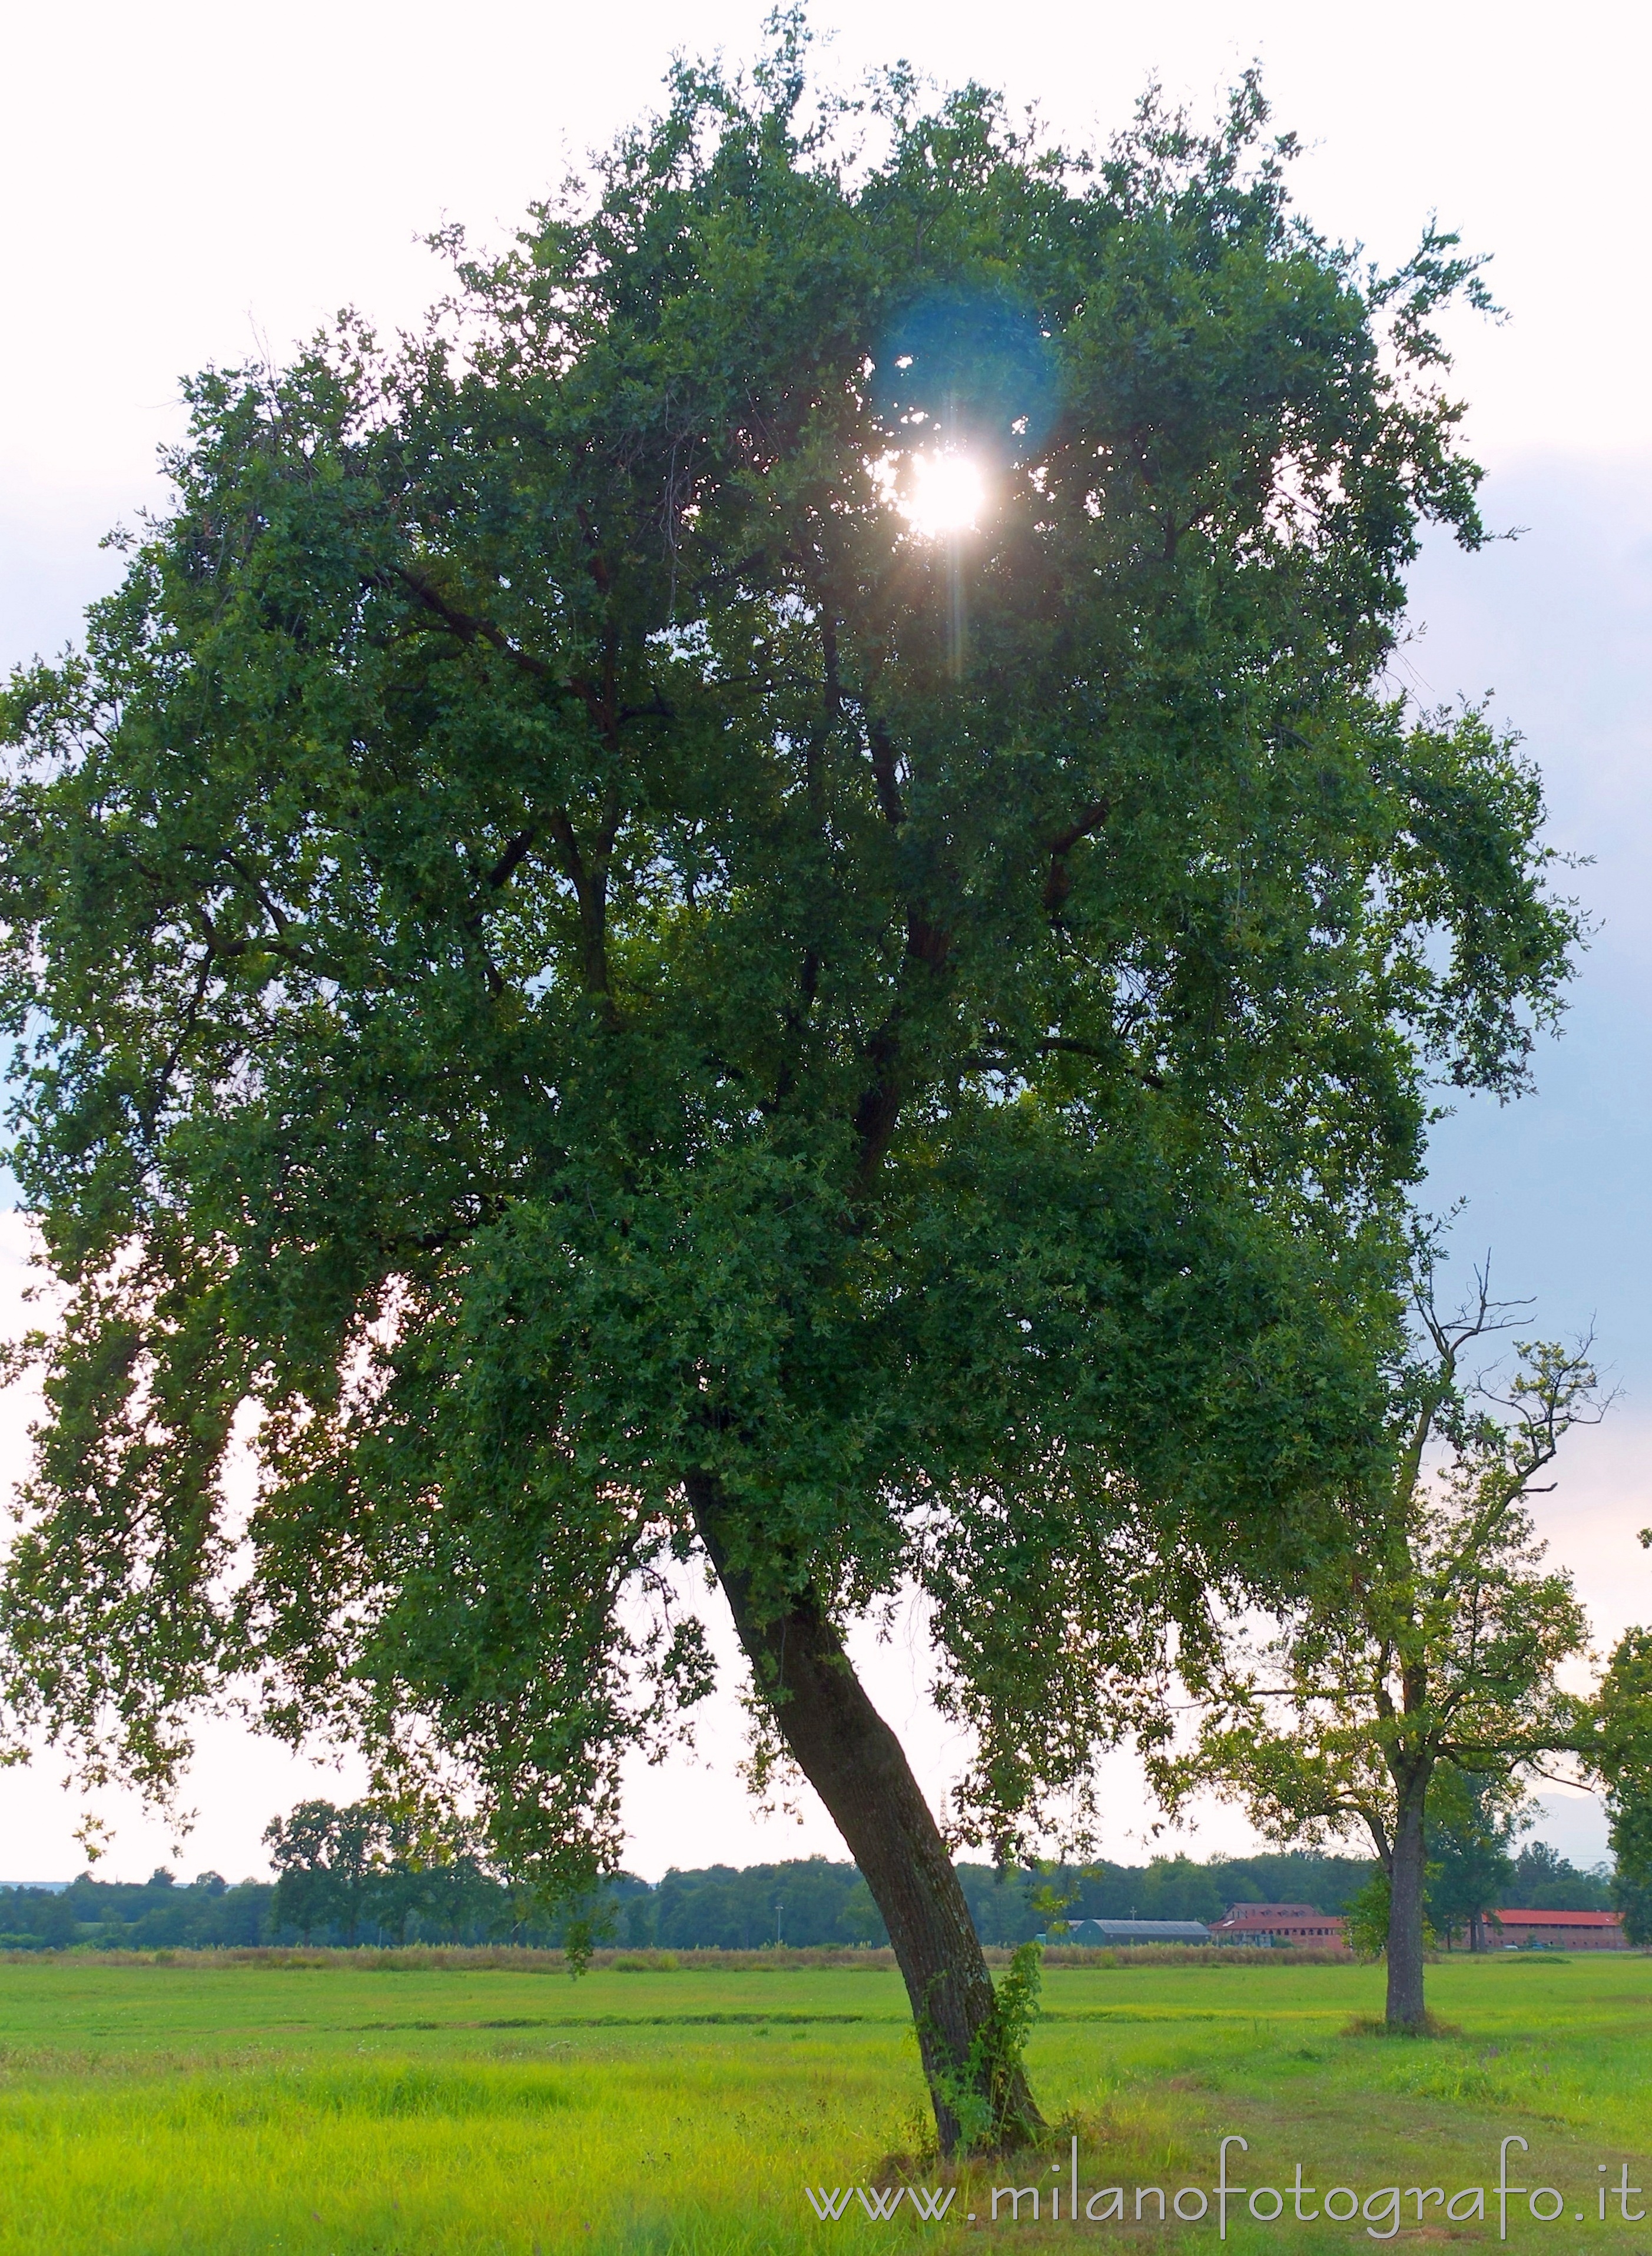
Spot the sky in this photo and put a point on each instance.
(187, 183)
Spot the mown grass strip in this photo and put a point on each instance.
(776, 2019)
(636, 2021)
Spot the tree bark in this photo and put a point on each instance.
(856, 1766)
(1406, 1875)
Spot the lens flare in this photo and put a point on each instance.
(948, 494)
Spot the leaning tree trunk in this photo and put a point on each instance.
(856, 1766)
(1406, 1874)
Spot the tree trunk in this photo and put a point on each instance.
(856, 1766)
(1406, 1874)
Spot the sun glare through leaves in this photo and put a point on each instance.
(947, 495)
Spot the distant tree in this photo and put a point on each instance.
(1470, 1826)
(57, 1923)
(639, 998)
(1003, 1901)
(1544, 1880)
(860, 1919)
(1433, 1634)
(1624, 1762)
(999, 1901)
(1175, 1887)
(375, 1871)
(638, 1926)
(327, 1860)
(1632, 1876)
(239, 1916)
(1297, 1876)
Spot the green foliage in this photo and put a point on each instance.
(1544, 1880)
(1624, 1721)
(160, 1913)
(1427, 1637)
(720, 1908)
(1297, 1876)
(1631, 1881)
(1006, 1906)
(1368, 1914)
(556, 943)
(324, 1895)
(371, 1872)
(983, 2094)
(1471, 1824)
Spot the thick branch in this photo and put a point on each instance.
(880, 1107)
(471, 629)
(1058, 884)
(883, 775)
(588, 875)
(516, 852)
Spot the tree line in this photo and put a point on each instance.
(319, 1898)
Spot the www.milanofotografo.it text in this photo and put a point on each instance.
(1383, 2211)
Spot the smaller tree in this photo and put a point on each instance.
(1426, 1631)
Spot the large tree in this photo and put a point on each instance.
(597, 989)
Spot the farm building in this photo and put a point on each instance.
(1567, 1930)
(1266, 1924)
(1110, 1933)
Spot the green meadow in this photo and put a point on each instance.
(203, 2104)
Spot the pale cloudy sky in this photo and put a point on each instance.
(186, 183)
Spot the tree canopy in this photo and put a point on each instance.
(593, 992)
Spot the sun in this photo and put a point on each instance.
(948, 494)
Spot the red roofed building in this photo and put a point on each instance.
(1300, 1925)
(1570, 1930)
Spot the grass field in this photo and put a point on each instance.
(332, 2111)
